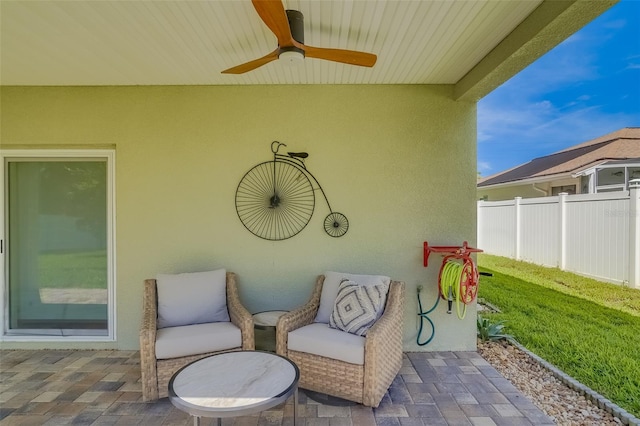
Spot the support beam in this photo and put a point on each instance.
(634, 233)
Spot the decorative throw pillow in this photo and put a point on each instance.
(332, 281)
(192, 298)
(357, 307)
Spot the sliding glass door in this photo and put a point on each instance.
(57, 246)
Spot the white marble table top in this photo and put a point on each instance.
(233, 384)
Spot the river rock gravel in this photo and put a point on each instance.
(565, 405)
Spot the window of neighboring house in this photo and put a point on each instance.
(568, 189)
(58, 263)
(611, 179)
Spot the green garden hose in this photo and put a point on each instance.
(450, 278)
(423, 316)
(450, 281)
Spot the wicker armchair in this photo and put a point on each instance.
(156, 373)
(365, 384)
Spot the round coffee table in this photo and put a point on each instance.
(234, 384)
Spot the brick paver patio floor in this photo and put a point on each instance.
(60, 387)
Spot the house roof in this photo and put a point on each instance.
(473, 45)
(623, 144)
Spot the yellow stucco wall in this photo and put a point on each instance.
(398, 161)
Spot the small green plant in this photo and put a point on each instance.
(492, 331)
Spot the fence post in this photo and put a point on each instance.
(634, 233)
(516, 205)
(562, 207)
(479, 224)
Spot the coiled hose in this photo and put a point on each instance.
(450, 278)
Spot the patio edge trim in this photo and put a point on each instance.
(599, 400)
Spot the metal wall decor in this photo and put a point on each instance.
(275, 199)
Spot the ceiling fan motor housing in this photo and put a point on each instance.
(296, 24)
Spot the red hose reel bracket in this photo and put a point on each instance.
(458, 252)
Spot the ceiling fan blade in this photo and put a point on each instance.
(275, 17)
(252, 65)
(351, 57)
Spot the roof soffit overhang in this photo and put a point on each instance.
(607, 164)
(528, 181)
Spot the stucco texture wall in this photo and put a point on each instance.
(398, 161)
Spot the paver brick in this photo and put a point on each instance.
(103, 388)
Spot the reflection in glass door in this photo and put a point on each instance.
(57, 247)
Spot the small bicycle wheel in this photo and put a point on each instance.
(336, 224)
(275, 200)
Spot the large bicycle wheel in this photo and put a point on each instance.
(275, 200)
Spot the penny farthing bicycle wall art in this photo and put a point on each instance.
(275, 199)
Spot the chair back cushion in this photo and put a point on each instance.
(320, 339)
(332, 281)
(192, 298)
(176, 342)
(357, 307)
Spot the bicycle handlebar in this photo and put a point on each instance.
(275, 151)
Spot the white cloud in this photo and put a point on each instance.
(615, 24)
(484, 167)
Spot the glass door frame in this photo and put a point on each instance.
(6, 156)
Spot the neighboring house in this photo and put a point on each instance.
(603, 164)
(115, 115)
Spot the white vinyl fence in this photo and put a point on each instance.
(596, 235)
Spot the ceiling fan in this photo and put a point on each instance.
(288, 27)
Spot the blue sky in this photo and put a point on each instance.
(586, 87)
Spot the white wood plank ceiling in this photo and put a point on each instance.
(190, 42)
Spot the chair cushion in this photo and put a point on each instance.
(330, 287)
(175, 342)
(357, 307)
(192, 298)
(320, 339)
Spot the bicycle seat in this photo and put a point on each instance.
(298, 154)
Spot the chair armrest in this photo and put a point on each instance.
(383, 344)
(149, 326)
(239, 315)
(148, 329)
(304, 315)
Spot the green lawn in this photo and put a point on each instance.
(624, 299)
(591, 331)
(73, 270)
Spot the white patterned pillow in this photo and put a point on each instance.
(332, 281)
(357, 307)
